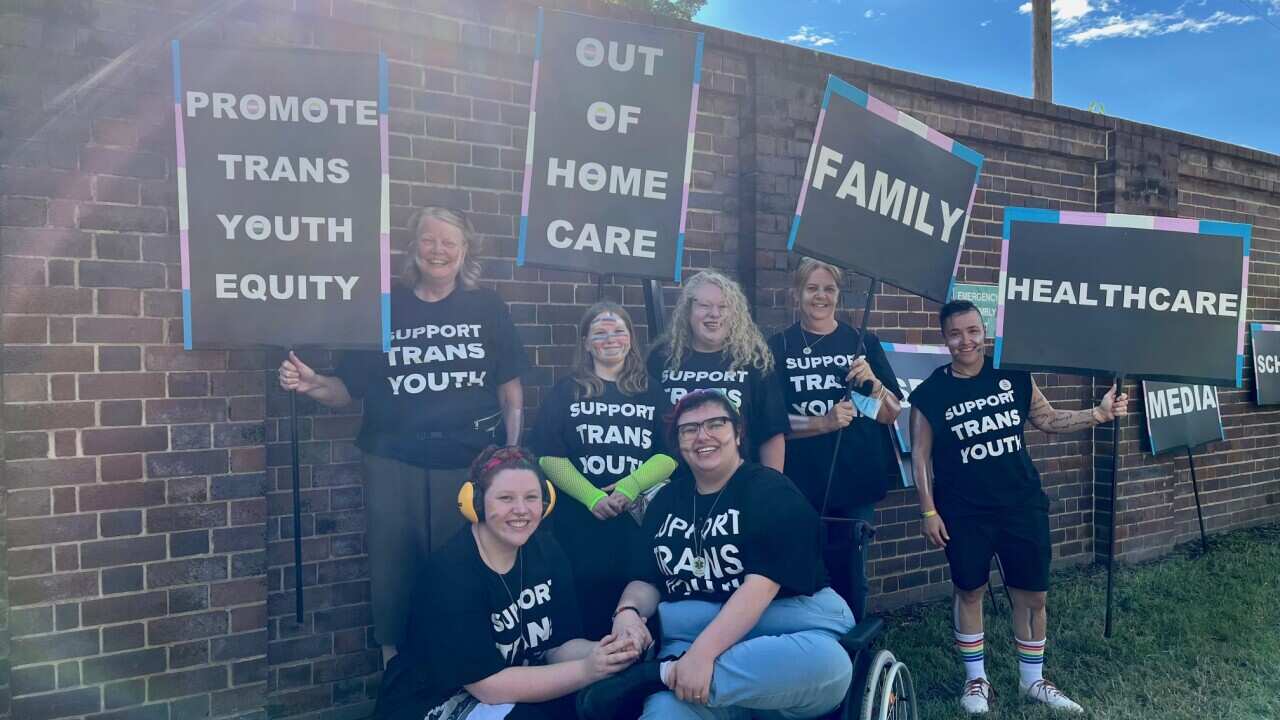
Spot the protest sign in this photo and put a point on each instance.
(1092, 293)
(609, 156)
(1181, 416)
(884, 194)
(1266, 363)
(912, 364)
(282, 197)
(986, 297)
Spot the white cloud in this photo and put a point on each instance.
(812, 37)
(984, 23)
(1083, 22)
(869, 14)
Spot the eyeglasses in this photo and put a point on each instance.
(689, 430)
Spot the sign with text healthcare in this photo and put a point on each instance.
(610, 150)
(884, 194)
(283, 212)
(912, 364)
(1266, 363)
(1181, 416)
(1151, 297)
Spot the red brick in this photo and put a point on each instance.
(186, 572)
(62, 387)
(189, 410)
(116, 190)
(45, 242)
(122, 637)
(126, 551)
(189, 384)
(23, 211)
(48, 473)
(24, 359)
(26, 445)
(122, 162)
(119, 359)
(47, 531)
(190, 682)
(123, 608)
(119, 330)
(175, 358)
(123, 665)
(121, 275)
(120, 412)
(118, 246)
(19, 329)
(119, 302)
(47, 300)
(32, 561)
(64, 500)
(187, 517)
(51, 588)
(45, 416)
(56, 705)
(23, 271)
(124, 440)
(121, 385)
(193, 462)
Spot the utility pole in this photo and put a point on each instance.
(1042, 49)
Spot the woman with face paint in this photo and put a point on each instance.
(494, 633)
(449, 387)
(598, 434)
(713, 343)
(818, 359)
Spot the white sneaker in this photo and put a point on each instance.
(1043, 691)
(976, 696)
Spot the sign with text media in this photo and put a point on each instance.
(282, 197)
(884, 194)
(1181, 416)
(912, 365)
(1093, 293)
(609, 156)
(1266, 363)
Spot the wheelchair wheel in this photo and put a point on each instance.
(889, 693)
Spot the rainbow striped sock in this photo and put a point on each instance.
(973, 653)
(1030, 660)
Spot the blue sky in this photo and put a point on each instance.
(1208, 67)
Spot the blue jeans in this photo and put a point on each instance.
(790, 665)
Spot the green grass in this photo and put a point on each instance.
(1195, 637)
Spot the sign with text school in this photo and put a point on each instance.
(1181, 416)
(884, 194)
(912, 364)
(1093, 293)
(282, 197)
(610, 150)
(1266, 363)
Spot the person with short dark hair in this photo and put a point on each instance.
(818, 359)
(495, 631)
(980, 495)
(731, 562)
(449, 386)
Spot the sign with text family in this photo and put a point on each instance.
(282, 197)
(912, 365)
(884, 194)
(610, 151)
(1181, 416)
(1266, 363)
(1151, 297)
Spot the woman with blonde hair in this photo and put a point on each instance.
(598, 434)
(713, 343)
(448, 387)
(818, 358)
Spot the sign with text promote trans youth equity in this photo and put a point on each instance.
(282, 197)
(1156, 298)
(884, 194)
(1266, 363)
(610, 149)
(1181, 416)
(912, 364)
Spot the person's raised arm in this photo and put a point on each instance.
(1046, 419)
(327, 390)
(922, 470)
(511, 400)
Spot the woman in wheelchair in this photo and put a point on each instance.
(731, 564)
(495, 631)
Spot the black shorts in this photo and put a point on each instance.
(1020, 537)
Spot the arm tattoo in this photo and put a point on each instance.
(1045, 418)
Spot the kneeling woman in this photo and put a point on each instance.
(733, 567)
(495, 631)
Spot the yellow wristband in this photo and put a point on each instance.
(929, 514)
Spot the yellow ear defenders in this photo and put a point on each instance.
(471, 503)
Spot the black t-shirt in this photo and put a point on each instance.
(607, 437)
(758, 396)
(432, 400)
(812, 384)
(759, 523)
(466, 625)
(980, 459)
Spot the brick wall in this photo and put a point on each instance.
(148, 499)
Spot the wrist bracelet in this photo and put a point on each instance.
(928, 514)
(632, 608)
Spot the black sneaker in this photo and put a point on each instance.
(621, 696)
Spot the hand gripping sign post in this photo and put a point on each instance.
(884, 195)
(1266, 363)
(1097, 294)
(1183, 416)
(282, 205)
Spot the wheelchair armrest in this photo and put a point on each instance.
(862, 635)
